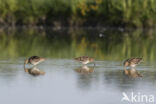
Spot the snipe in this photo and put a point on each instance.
(132, 62)
(34, 60)
(85, 60)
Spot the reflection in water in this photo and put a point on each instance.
(133, 73)
(114, 45)
(85, 69)
(85, 77)
(106, 80)
(34, 71)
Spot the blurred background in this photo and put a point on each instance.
(114, 13)
(104, 29)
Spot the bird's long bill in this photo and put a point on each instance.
(25, 62)
(24, 65)
(94, 64)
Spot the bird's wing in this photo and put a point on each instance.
(136, 60)
(83, 58)
(35, 58)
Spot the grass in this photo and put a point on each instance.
(126, 13)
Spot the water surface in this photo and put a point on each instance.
(65, 81)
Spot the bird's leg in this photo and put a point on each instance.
(26, 70)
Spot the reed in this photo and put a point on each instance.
(130, 13)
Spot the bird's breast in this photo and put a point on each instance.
(85, 62)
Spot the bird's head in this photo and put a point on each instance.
(26, 61)
(126, 63)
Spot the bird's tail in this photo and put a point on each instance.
(42, 73)
(42, 59)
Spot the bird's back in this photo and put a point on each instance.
(136, 60)
(131, 61)
(82, 58)
(34, 58)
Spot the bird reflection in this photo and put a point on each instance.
(34, 71)
(85, 69)
(133, 73)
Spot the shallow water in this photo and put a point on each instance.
(61, 80)
(66, 82)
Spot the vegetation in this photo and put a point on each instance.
(115, 45)
(130, 13)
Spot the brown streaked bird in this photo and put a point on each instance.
(85, 60)
(133, 73)
(34, 60)
(132, 62)
(34, 71)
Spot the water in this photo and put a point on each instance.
(98, 43)
(65, 81)
(61, 80)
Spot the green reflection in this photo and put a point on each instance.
(107, 45)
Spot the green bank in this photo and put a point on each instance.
(125, 13)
